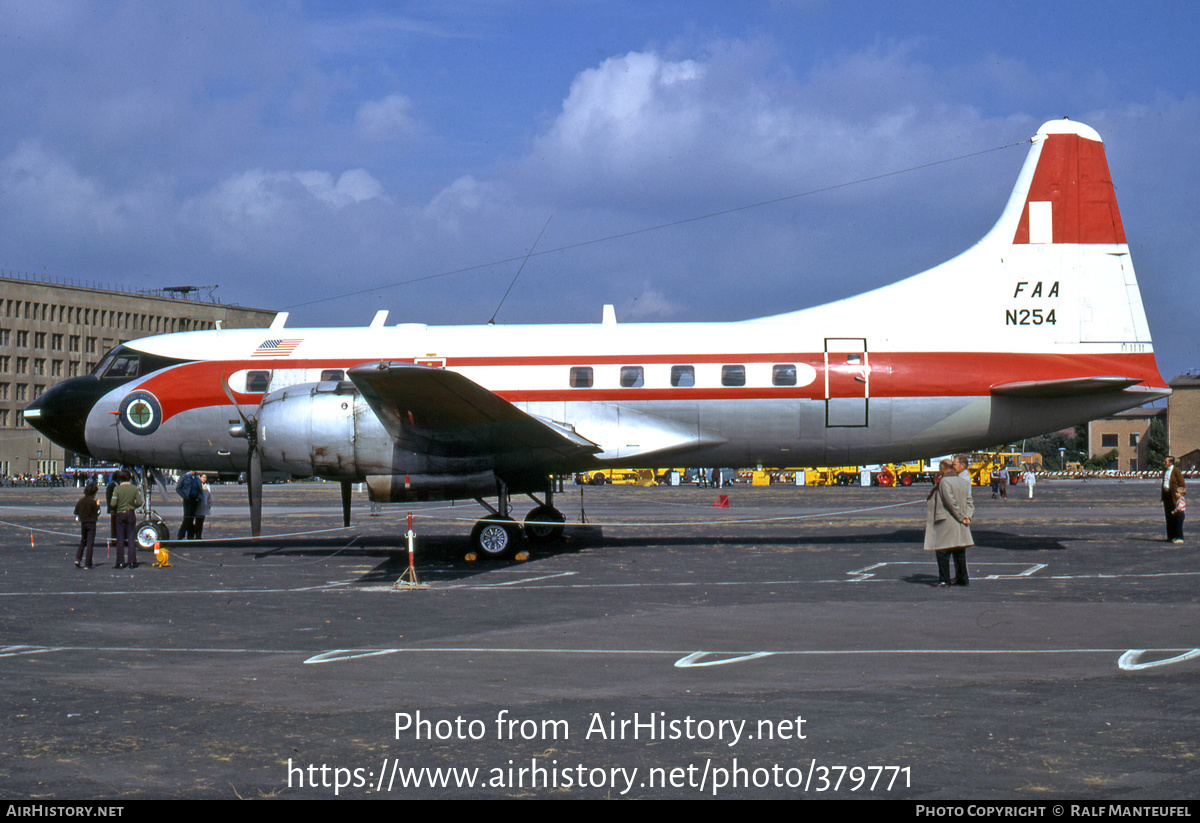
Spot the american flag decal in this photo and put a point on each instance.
(277, 348)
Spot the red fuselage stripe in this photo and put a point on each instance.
(891, 374)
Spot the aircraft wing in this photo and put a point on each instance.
(440, 412)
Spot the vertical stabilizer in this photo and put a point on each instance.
(1066, 276)
(1071, 197)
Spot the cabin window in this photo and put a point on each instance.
(854, 359)
(783, 374)
(332, 374)
(683, 377)
(733, 375)
(632, 377)
(581, 377)
(257, 381)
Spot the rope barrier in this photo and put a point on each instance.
(443, 519)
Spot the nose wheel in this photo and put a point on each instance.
(150, 532)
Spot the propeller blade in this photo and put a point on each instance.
(254, 489)
(253, 461)
(346, 503)
(247, 421)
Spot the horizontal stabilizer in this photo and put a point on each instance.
(1070, 387)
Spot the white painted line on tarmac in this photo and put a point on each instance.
(1128, 660)
(868, 572)
(550, 576)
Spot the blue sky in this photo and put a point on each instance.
(293, 152)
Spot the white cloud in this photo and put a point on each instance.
(387, 119)
(40, 186)
(262, 197)
(651, 304)
(642, 127)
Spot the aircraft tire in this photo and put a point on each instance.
(542, 532)
(495, 537)
(147, 534)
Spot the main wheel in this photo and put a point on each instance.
(495, 537)
(147, 534)
(540, 524)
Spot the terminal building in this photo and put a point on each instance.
(52, 331)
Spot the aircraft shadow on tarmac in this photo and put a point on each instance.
(447, 552)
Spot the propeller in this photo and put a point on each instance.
(249, 430)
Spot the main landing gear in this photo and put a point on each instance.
(498, 535)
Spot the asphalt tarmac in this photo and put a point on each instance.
(791, 645)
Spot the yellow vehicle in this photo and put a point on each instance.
(617, 477)
(829, 475)
(985, 464)
(888, 474)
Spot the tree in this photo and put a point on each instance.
(1048, 445)
(1157, 447)
(1101, 461)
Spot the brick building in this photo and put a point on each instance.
(1184, 432)
(1128, 433)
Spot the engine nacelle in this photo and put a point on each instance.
(409, 488)
(323, 430)
(328, 430)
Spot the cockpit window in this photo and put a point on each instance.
(122, 365)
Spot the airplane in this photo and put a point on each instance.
(1057, 336)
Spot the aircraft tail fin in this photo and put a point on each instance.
(1065, 272)
(1051, 283)
(1069, 198)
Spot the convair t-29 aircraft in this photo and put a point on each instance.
(1057, 336)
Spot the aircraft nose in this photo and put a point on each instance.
(61, 412)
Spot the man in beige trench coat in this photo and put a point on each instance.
(948, 515)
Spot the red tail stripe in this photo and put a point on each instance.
(1072, 174)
